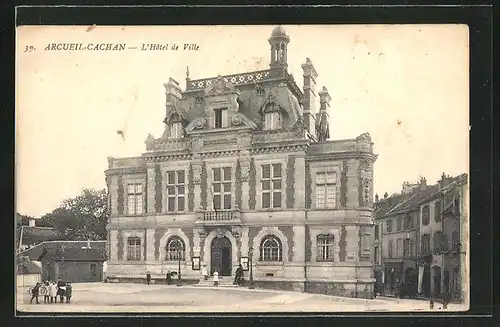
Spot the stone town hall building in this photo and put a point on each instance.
(245, 163)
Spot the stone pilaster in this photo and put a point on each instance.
(151, 189)
(245, 177)
(352, 243)
(300, 166)
(113, 245)
(299, 243)
(196, 243)
(150, 243)
(158, 189)
(244, 242)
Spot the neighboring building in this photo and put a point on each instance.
(72, 262)
(415, 228)
(28, 272)
(245, 164)
(31, 235)
(443, 232)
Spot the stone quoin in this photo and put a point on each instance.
(245, 162)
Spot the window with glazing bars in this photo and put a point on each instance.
(175, 249)
(176, 191)
(221, 188)
(271, 186)
(326, 189)
(134, 204)
(270, 249)
(134, 248)
(325, 245)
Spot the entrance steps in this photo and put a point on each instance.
(224, 281)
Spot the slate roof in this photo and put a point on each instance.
(384, 206)
(250, 103)
(413, 202)
(35, 235)
(57, 246)
(72, 254)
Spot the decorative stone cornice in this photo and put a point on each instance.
(279, 148)
(224, 153)
(124, 171)
(342, 155)
(168, 157)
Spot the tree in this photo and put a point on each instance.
(83, 217)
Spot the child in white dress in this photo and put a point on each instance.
(216, 278)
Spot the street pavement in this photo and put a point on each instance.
(141, 298)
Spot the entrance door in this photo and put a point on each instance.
(221, 256)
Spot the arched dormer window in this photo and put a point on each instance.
(175, 249)
(271, 249)
(175, 125)
(272, 117)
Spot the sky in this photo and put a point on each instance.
(406, 85)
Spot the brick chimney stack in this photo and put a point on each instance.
(386, 195)
(376, 198)
(309, 101)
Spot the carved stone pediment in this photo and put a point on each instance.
(219, 87)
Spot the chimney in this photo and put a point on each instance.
(309, 100)
(386, 195)
(173, 94)
(323, 118)
(31, 222)
(376, 198)
(423, 182)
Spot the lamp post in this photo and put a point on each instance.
(179, 252)
(250, 257)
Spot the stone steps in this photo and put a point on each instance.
(223, 282)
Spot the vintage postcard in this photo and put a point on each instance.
(291, 168)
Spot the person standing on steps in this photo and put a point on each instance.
(216, 278)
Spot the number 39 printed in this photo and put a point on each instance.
(29, 48)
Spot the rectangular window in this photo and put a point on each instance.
(221, 117)
(377, 255)
(455, 241)
(376, 232)
(134, 203)
(134, 248)
(391, 246)
(176, 131)
(272, 120)
(407, 248)
(389, 225)
(399, 248)
(425, 215)
(436, 242)
(221, 188)
(325, 248)
(456, 205)
(176, 190)
(426, 244)
(93, 270)
(400, 222)
(437, 211)
(326, 190)
(271, 186)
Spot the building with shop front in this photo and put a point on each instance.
(245, 173)
(419, 232)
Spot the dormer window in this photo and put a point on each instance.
(272, 120)
(221, 118)
(176, 131)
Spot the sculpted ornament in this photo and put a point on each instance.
(197, 124)
(150, 142)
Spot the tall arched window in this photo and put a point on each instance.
(325, 244)
(175, 249)
(271, 249)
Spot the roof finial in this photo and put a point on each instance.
(187, 72)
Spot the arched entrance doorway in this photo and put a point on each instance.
(221, 256)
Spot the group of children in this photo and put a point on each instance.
(52, 291)
(238, 278)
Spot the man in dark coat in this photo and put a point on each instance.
(148, 278)
(169, 278)
(238, 275)
(69, 292)
(61, 289)
(34, 293)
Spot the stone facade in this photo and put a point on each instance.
(243, 171)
